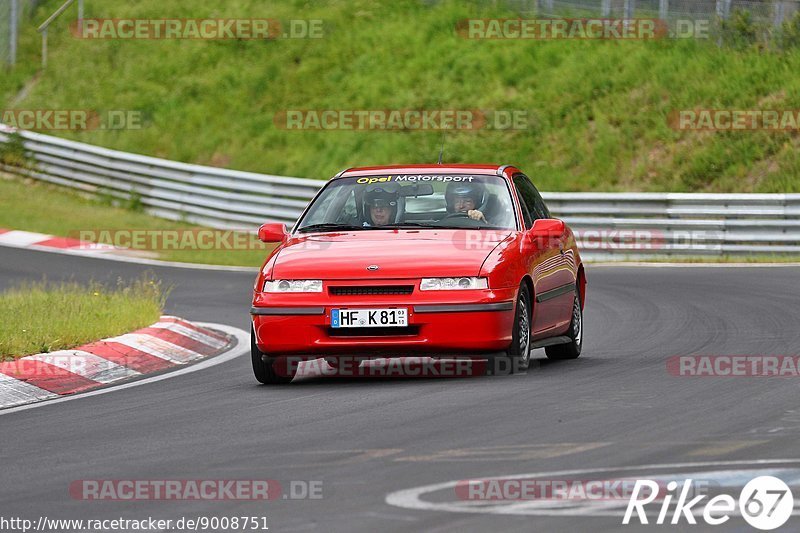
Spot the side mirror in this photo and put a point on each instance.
(272, 232)
(544, 234)
(550, 227)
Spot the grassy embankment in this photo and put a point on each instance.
(45, 317)
(597, 111)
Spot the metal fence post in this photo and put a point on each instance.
(779, 13)
(605, 9)
(80, 17)
(44, 48)
(46, 24)
(630, 7)
(663, 9)
(723, 8)
(13, 32)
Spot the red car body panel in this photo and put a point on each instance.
(440, 322)
(412, 253)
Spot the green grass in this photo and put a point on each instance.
(597, 110)
(39, 207)
(45, 317)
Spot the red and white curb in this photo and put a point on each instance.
(65, 245)
(169, 343)
(41, 241)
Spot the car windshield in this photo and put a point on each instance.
(434, 201)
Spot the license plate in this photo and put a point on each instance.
(369, 318)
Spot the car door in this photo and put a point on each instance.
(553, 278)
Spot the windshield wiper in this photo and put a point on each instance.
(409, 225)
(331, 226)
(438, 226)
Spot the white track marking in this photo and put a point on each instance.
(412, 498)
(22, 238)
(242, 347)
(198, 336)
(186, 324)
(86, 364)
(158, 347)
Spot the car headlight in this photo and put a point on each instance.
(293, 285)
(453, 284)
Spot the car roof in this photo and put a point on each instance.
(488, 170)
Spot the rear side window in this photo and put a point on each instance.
(541, 207)
(531, 197)
(526, 199)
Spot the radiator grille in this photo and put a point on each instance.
(371, 290)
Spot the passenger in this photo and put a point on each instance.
(380, 206)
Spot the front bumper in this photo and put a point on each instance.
(439, 323)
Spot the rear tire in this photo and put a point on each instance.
(263, 370)
(571, 350)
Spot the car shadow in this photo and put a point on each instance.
(419, 369)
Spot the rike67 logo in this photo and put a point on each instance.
(766, 503)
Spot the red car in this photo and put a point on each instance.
(423, 260)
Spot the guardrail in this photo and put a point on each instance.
(608, 225)
(210, 196)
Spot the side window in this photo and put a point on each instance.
(541, 207)
(532, 197)
(338, 206)
(527, 198)
(348, 210)
(526, 213)
(319, 210)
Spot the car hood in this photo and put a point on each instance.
(398, 254)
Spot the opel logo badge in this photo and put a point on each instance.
(373, 268)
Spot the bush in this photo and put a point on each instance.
(13, 152)
(740, 30)
(790, 33)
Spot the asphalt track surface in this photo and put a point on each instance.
(616, 406)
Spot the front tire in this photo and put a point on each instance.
(519, 353)
(571, 350)
(264, 371)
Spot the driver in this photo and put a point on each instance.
(380, 205)
(465, 198)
